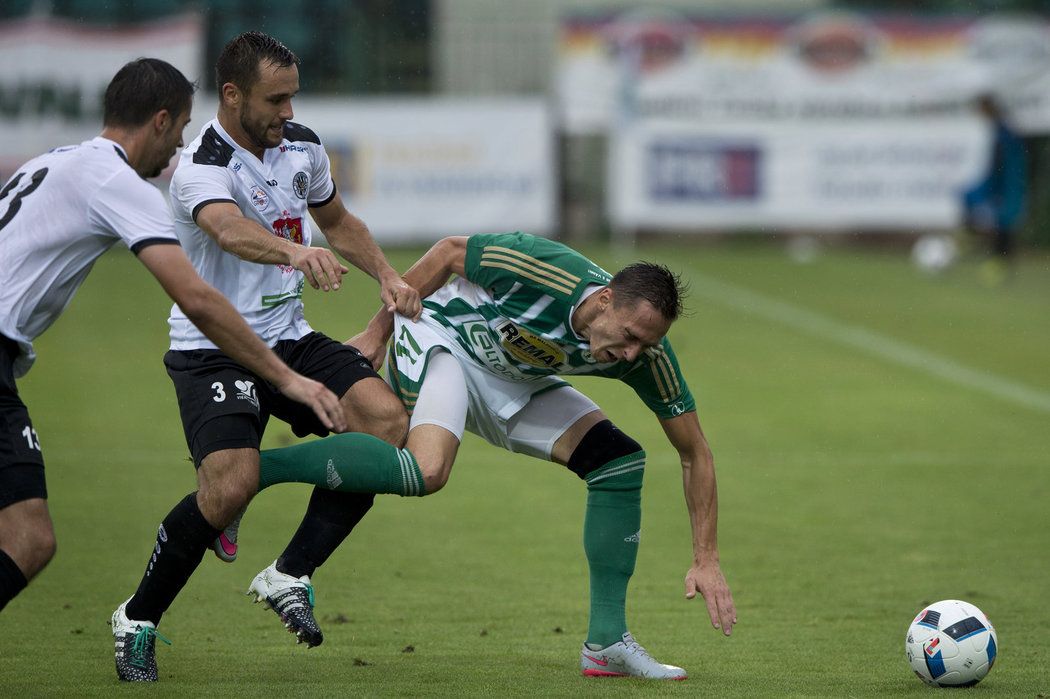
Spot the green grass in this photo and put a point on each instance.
(852, 490)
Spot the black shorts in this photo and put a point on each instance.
(225, 406)
(21, 461)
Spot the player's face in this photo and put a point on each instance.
(622, 332)
(268, 105)
(169, 142)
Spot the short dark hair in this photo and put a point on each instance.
(239, 60)
(648, 281)
(142, 88)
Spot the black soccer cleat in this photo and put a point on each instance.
(293, 601)
(135, 646)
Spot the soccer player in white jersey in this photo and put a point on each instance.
(487, 355)
(58, 213)
(241, 195)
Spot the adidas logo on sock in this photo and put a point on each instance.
(634, 538)
(334, 481)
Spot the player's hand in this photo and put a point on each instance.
(399, 297)
(372, 347)
(320, 267)
(707, 579)
(324, 403)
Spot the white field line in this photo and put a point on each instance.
(868, 342)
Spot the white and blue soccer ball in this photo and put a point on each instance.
(951, 644)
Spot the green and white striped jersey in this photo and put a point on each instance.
(512, 316)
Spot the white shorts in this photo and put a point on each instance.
(525, 417)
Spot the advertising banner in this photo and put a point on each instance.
(419, 169)
(831, 65)
(832, 176)
(56, 72)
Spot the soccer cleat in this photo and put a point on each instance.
(134, 642)
(625, 659)
(292, 599)
(225, 544)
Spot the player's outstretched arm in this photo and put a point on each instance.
(701, 497)
(350, 237)
(446, 257)
(240, 236)
(219, 321)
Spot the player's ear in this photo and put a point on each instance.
(231, 94)
(162, 120)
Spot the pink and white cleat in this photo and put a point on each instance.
(225, 544)
(625, 659)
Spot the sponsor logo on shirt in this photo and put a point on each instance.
(488, 351)
(259, 198)
(530, 349)
(300, 183)
(292, 147)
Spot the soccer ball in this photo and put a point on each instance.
(934, 253)
(951, 644)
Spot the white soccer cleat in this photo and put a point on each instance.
(292, 599)
(625, 659)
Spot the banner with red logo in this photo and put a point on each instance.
(825, 66)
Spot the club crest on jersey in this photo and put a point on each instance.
(530, 349)
(259, 198)
(300, 183)
(289, 228)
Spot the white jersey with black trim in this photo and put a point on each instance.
(275, 192)
(58, 213)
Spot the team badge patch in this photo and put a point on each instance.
(259, 198)
(300, 183)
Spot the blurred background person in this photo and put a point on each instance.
(995, 204)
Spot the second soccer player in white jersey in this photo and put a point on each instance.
(243, 195)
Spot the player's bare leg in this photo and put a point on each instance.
(27, 544)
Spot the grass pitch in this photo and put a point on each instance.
(881, 442)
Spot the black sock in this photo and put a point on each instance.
(12, 581)
(329, 519)
(182, 539)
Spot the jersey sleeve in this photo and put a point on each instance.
(497, 261)
(193, 186)
(133, 210)
(322, 186)
(658, 381)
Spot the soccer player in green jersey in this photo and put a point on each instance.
(486, 355)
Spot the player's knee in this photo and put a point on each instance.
(435, 476)
(606, 446)
(32, 546)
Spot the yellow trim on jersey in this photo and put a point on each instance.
(529, 267)
(664, 376)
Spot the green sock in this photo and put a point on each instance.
(610, 538)
(352, 461)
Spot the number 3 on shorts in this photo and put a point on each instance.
(220, 395)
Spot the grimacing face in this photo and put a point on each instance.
(266, 107)
(621, 332)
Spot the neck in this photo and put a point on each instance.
(133, 141)
(232, 126)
